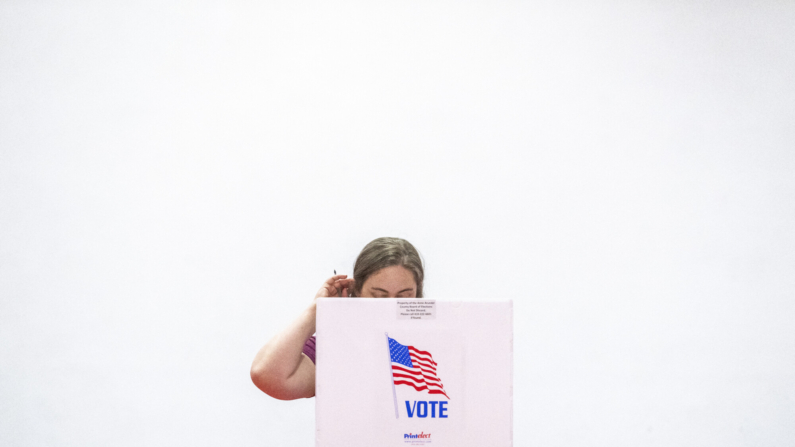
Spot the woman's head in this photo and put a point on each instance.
(388, 267)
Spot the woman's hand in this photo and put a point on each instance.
(337, 285)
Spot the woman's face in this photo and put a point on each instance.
(390, 282)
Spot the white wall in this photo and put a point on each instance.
(177, 179)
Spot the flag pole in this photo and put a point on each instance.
(392, 375)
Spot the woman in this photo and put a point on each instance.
(387, 267)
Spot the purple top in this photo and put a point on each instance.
(309, 348)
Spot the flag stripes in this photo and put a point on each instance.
(414, 368)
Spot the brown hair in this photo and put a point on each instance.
(386, 252)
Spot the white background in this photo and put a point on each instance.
(177, 179)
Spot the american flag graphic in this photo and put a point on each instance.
(414, 368)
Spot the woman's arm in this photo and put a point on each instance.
(280, 369)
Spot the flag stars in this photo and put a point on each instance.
(399, 353)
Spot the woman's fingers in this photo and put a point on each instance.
(347, 286)
(334, 286)
(335, 278)
(341, 287)
(331, 285)
(338, 284)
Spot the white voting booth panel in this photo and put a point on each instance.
(397, 372)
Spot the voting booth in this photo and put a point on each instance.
(398, 372)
